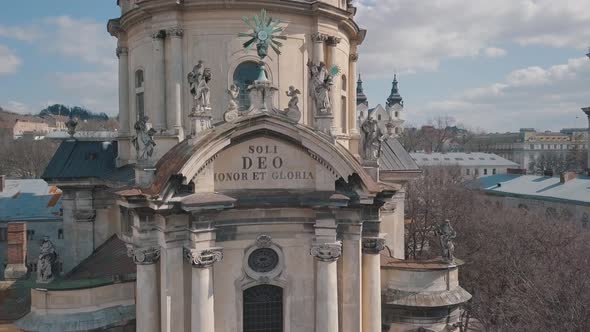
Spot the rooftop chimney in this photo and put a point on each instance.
(17, 251)
(566, 176)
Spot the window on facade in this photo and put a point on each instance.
(542, 146)
(532, 146)
(3, 234)
(60, 233)
(126, 221)
(485, 171)
(476, 171)
(30, 234)
(344, 84)
(551, 213)
(139, 93)
(343, 115)
(494, 171)
(468, 172)
(245, 75)
(263, 309)
(379, 117)
(397, 114)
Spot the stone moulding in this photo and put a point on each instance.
(144, 256)
(373, 245)
(326, 252)
(203, 258)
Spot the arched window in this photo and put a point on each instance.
(379, 117)
(263, 309)
(343, 82)
(245, 75)
(139, 92)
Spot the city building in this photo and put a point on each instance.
(566, 197)
(471, 164)
(391, 117)
(34, 202)
(240, 208)
(528, 144)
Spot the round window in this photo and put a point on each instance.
(263, 260)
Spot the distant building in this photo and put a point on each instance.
(17, 126)
(472, 165)
(566, 197)
(390, 118)
(526, 145)
(37, 204)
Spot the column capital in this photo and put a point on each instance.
(373, 245)
(159, 35)
(326, 252)
(318, 37)
(176, 31)
(333, 41)
(353, 57)
(143, 255)
(203, 258)
(122, 51)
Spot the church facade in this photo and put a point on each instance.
(243, 191)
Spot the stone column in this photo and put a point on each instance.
(371, 288)
(202, 301)
(318, 39)
(350, 273)
(352, 116)
(147, 313)
(123, 55)
(326, 307)
(174, 115)
(335, 99)
(158, 81)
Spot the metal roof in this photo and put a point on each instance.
(575, 191)
(86, 159)
(463, 159)
(395, 158)
(30, 200)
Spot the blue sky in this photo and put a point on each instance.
(495, 66)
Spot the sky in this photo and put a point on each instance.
(491, 65)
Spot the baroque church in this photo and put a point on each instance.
(389, 118)
(241, 193)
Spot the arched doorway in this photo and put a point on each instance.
(263, 309)
(244, 75)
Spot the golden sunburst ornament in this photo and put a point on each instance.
(265, 33)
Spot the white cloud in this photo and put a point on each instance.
(18, 107)
(412, 35)
(9, 61)
(494, 52)
(545, 98)
(95, 90)
(26, 34)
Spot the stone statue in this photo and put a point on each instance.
(71, 125)
(46, 261)
(232, 108)
(292, 111)
(372, 139)
(198, 80)
(144, 138)
(320, 86)
(446, 235)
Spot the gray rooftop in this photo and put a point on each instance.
(463, 159)
(395, 158)
(76, 159)
(576, 191)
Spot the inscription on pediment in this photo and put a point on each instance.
(266, 163)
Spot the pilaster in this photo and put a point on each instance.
(158, 94)
(174, 87)
(335, 99)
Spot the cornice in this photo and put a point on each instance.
(344, 18)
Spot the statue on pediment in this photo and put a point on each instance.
(198, 80)
(371, 140)
(292, 111)
(446, 235)
(46, 262)
(321, 82)
(232, 109)
(143, 141)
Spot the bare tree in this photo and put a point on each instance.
(26, 158)
(526, 272)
